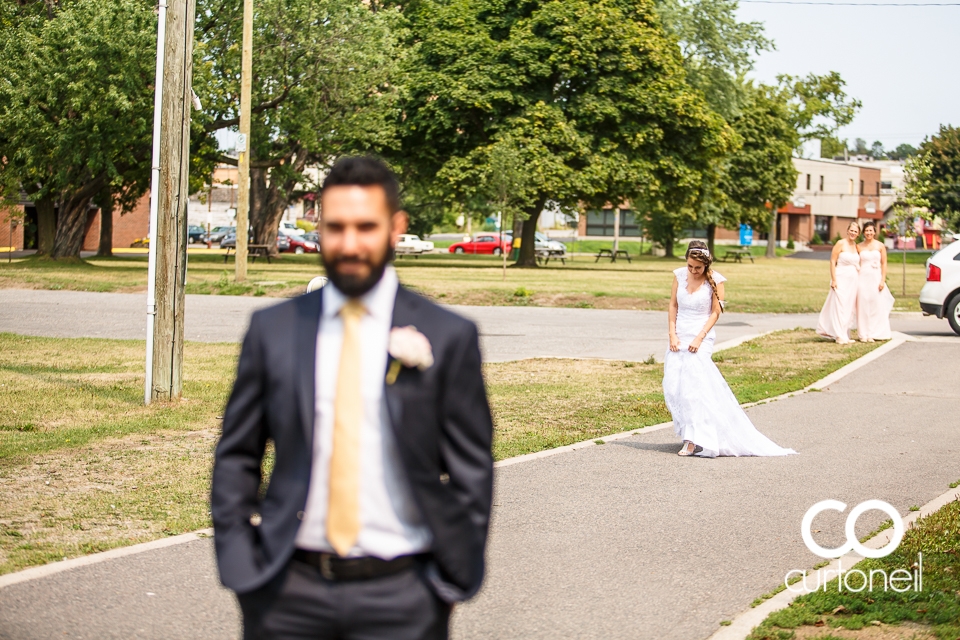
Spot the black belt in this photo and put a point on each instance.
(333, 567)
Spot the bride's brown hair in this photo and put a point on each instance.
(697, 249)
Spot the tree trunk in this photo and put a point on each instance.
(668, 246)
(528, 239)
(46, 224)
(772, 235)
(71, 226)
(105, 248)
(266, 209)
(711, 238)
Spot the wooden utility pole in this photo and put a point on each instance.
(171, 190)
(244, 144)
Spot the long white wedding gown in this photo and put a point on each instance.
(704, 409)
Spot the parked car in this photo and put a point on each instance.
(483, 243)
(312, 236)
(410, 244)
(218, 233)
(940, 295)
(551, 248)
(195, 233)
(290, 229)
(230, 240)
(299, 244)
(283, 243)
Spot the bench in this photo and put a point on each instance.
(253, 250)
(613, 255)
(737, 255)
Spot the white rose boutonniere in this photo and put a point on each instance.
(408, 348)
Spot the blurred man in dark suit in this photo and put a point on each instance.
(375, 517)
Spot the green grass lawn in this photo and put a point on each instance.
(933, 612)
(778, 285)
(85, 467)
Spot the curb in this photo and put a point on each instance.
(746, 621)
(95, 558)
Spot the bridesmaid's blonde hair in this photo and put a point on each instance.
(697, 249)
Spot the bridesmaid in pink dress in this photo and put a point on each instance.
(874, 300)
(839, 311)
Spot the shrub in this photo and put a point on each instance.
(816, 239)
(306, 225)
(790, 244)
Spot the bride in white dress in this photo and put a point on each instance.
(706, 415)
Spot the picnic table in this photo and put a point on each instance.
(253, 250)
(545, 256)
(613, 255)
(737, 254)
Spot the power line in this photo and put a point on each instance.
(855, 4)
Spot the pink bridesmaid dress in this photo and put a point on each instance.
(873, 306)
(839, 311)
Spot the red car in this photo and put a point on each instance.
(483, 243)
(300, 244)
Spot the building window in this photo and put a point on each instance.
(600, 223)
(851, 186)
(821, 183)
(878, 189)
(808, 182)
(861, 187)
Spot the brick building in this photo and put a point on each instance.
(829, 195)
(126, 228)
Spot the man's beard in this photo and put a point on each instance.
(354, 286)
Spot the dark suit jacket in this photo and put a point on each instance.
(440, 419)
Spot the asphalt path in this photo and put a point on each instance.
(622, 540)
(507, 333)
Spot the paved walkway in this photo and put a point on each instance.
(508, 333)
(623, 540)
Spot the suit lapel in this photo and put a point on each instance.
(308, 323)
(404, 311)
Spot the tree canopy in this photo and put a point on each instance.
(592, 94)
(942, 154)
(321, 88)
(76, 101)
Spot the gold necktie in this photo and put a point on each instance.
(343, 510)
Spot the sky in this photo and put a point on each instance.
(902, 63)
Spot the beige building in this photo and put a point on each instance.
(829, 195)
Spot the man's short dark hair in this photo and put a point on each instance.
(364, 171)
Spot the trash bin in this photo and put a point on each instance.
(515, 250)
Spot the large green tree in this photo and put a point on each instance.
(717, 49)
(321, 88)
(818, 106)
(760, 175)
(757, 175)
(75, 108)
(591, 93)
(942, 153)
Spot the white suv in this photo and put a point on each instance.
(940, 296)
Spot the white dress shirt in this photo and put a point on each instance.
(390, 524)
